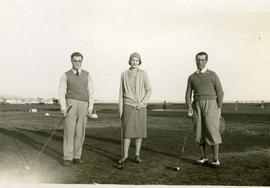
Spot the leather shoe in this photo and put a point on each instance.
(122, 161)
(78, 161)
(67, 163)
(138, 159)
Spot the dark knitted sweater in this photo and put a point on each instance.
(204, 86)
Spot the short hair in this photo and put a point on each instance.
(76, 54)
(201, 53)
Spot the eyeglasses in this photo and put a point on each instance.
(77, 61)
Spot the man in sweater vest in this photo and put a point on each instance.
(207, 93)
(76, 90)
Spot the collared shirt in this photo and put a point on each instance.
(63, 91)
(202, 71)
(75, 71)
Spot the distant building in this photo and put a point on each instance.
(48, 101)
(33, 110)
(21, 100)
(2, 101)
(35, 101)
(55, 101)
(11, 101)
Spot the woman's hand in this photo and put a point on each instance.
(141, 105)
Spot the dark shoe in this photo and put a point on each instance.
(78, 161)
(122, 161)
(67, 163)
(138, 159)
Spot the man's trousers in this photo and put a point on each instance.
(74, 129)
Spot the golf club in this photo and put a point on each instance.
(120, 166)
(178, 167)
(28, 167)
(181, 151)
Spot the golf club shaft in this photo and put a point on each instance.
(181, 152)
(122, 142)
(183, 148)
(49, 139)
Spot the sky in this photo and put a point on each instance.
(37, 38)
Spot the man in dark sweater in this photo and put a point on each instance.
(76, 90)
(207, 93)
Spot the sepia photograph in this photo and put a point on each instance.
(128, 93)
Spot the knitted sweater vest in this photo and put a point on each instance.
(77, 86)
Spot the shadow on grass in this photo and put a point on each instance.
(92, 148)
(19, 136)
(103, 139)
(160, 145)
(143, 148)
(108, 147)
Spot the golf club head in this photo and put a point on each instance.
(120, 166)
(27, 167)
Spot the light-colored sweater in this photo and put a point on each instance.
(204, 86)
(134, 94)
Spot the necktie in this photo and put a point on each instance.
(77, 73)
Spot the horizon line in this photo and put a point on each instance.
(151, 101)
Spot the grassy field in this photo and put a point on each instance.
(244, 154)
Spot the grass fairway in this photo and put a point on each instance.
(244, 154)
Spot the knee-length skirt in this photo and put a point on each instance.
(134, 122)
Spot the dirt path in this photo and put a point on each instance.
(19, 151)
